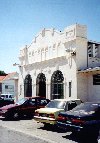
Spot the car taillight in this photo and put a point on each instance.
(51, 116)
(78, 121)
(61, 118)
(36, 113)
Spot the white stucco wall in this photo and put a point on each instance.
(66, 66)
(93, 90)
(82, 86)
(51, 50)
(11, 85)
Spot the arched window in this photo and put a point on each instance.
(28, 86)
(41, 85)
(57, 85)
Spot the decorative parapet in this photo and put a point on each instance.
(23, 52)
(74, 31)
(51, 43)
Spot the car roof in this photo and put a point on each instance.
(68, 99)
(35, 97)
(96, 102)
(6, 94)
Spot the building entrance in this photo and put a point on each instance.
(57, 85)
(28, 86)
(41, 85)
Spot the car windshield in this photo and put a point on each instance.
(56, 104)
(21, 101)
(85, 107)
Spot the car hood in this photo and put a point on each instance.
(8, 106)
(49, 110)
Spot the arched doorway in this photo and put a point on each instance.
(28, 86)
(41, 85)
(57, 91)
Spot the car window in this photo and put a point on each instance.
(21, 101)
(32, 101)
(43, 102)
(56, 104)
(6, 96)
(2, 96)
(10, 96)
(71, 105)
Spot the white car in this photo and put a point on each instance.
(7, 96)
(49, 114)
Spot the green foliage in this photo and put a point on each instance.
(2, 73)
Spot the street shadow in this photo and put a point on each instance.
(82, 138)
(17, 119)
(52, 128)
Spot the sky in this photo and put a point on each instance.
(21, 20)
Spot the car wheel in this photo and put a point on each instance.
(15, 115)
(99, 134)
(95, 133)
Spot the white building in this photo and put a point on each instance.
(61, 65)
(9, 84)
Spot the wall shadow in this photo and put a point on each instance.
(82, 138)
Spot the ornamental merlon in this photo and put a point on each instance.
(23, 52)
(74, 31)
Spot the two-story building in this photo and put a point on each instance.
(61, 65)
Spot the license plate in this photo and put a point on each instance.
(43, 115)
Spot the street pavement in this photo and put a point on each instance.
(36, 132)
(11, 136)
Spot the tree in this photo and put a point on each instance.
(2, 73)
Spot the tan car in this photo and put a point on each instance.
(49, 114)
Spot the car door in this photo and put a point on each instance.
(29, 107)
(32, 105)
(95, 118)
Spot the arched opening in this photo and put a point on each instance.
(57, 91)
(41, 85)
(28, 86)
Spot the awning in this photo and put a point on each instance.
(89, 70)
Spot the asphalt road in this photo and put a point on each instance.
(29, 131)
(11, 136)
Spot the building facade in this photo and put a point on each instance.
(60, 65)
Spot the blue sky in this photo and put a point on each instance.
(21, 20)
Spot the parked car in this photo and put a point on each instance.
(49, 114)
(85, 118)
(25, 106)
(7, 96)
(4, 101)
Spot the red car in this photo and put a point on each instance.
(25, 106)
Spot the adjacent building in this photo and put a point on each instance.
(61, 65)
(9, 84)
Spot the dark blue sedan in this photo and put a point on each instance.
(84, 118)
